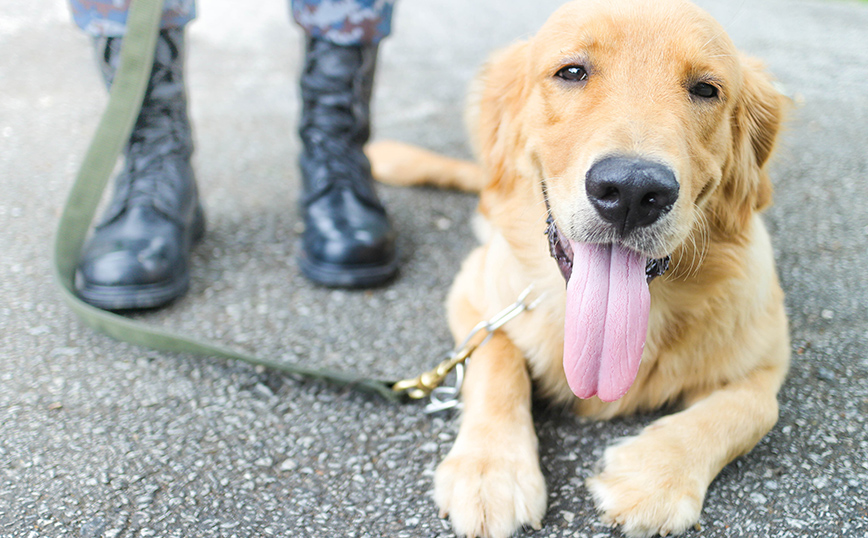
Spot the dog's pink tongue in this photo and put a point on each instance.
(607, 320)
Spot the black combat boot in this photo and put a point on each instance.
(348, 240)
(139, 254)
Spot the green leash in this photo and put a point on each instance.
(125, 98)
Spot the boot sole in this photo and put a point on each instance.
(143, 296)
(134, 297)
(347, 276)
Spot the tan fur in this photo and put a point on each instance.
(403, 165)
(717, 342)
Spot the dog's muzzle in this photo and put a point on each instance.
(561, 251)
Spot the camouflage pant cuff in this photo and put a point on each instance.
(345, 22)
(108, 18)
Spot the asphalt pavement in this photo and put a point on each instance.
(104, 439)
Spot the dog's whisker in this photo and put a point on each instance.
(734, 16)
(703, 231)
(699, 245)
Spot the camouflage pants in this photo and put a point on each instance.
(344, 22)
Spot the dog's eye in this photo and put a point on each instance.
(573, 73)
(704, 90)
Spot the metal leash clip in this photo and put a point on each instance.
(429, 383)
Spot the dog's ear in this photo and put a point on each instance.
(494, 109)
(756, 120)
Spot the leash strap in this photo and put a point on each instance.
(114, 129)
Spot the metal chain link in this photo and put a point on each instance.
(429, 383)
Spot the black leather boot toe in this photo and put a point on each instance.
(347, 243)
(139, 261)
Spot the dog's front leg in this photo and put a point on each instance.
(490, 484)
(655, 483)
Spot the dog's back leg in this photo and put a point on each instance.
(396, 163)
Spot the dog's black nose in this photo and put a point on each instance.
(629, 192)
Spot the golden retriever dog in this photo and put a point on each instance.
(637, 136)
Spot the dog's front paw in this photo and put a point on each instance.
(647, 489)
(490, 495)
